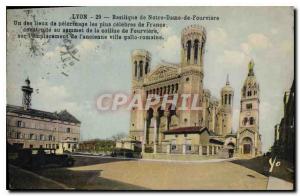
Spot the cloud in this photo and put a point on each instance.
(233, 57)
(217, 36)
(258, 40)
(287, 47)
(87, 45)
(169, 50)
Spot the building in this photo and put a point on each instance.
(284, 141)
(168, 129)
(31, 128)
(249, 138)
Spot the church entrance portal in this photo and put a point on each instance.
(247, 145)
(247, 148)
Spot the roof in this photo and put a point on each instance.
(195, 129)
(63, 115)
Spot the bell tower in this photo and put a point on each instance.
(193, 45)
(140, 60)
(193, 40)
(140, 64)
(249, 138)
(227, 94)
(27, 91)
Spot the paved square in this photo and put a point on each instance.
(161, 175)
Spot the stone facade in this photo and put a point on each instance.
(249, 138)
(206, 130)
(284, 140)
(31, 128)
(169, 126)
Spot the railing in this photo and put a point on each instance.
(162, 148)
(176, 149)
(149, 148)
(192, 149)
(182, 149)
(204, 150)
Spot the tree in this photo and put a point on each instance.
(119, 136)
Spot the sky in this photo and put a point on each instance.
(264, 34)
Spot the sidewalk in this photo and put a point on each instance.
(20, 179)
(279, 184)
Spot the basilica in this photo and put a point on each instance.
(204, 132)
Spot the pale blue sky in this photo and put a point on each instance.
(262, 33)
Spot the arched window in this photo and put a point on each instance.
(169, 89)
(160, 91)
(165, 89)
(196, 48)
(141, 68)
(189, 48)
(146, 67)
(245, 121)
(172, 88)
(135, 68)
(225, 99)
(157, 91)
(229, 99)
(251, 121)
(249, 93)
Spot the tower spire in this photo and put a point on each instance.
(27, 91)
(251, 67)
(227, 80)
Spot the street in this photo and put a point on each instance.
(97, 173)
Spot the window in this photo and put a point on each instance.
(19, 136)
(69, 145)
(187, 79)
(249, 106)
(32, 136)
(249, 93)
(225, 99)
(50, 138)
(229, 99)
(68, 130)
(245, 121)
(188, 144)
(42, 137)
(146, 67)
(189, 48)
(251, 121)
(196, 46)
(141, 68)
(135, 68)
(173, 145)
(19, 123)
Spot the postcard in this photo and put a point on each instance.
(150, 98)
